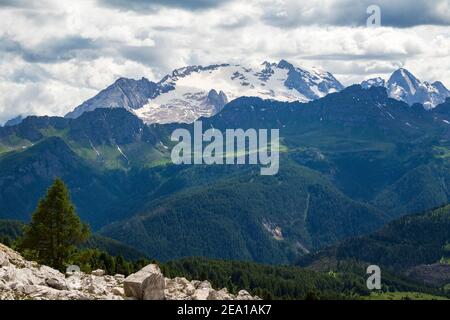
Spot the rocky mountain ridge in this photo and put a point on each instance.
(192, 92)
(402, 85)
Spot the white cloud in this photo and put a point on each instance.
(54, 55)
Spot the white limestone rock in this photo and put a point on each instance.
(23, 279)
(98, 272)
(244, 295)
(146, 284)
(4, 262)
(222, 294)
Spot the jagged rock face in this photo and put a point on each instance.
(311, 84)
(124, 93)
(22, 279)
(218, 100)
(375, 82)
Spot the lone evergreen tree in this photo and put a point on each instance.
(55, 228)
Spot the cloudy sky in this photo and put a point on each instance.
(55, 54)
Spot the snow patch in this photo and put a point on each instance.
(121, 152)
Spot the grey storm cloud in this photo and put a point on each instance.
(53, 50)
(399, 13)
(85, 49)
(14, 3)
(152, 5)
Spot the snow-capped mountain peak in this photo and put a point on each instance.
(404, 86)
(201, 91)
(439, 86)
(374, 82)
(123, 93)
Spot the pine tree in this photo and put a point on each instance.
(55, 228)
(6, 241)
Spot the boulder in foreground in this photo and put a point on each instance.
(146, 284)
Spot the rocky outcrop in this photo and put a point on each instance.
(123, 93)
(23, 279)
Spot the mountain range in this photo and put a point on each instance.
(196, 91)
(404, 86)
(192, 92)
(189, 93)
